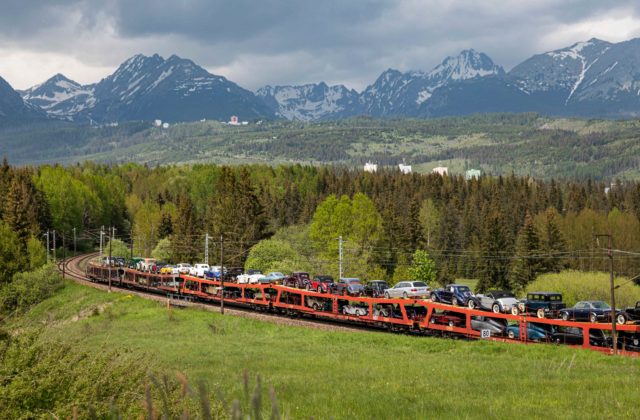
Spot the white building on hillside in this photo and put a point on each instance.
(405, 169)
(472, 173)
(440, 170)
(370, 167)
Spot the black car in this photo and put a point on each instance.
(543, 304)
(633, 313)
(628, 341)
(375, 288)
(497, 326)
(591, 310)
(349, 286)
(574, 337)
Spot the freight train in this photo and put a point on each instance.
(417, 316)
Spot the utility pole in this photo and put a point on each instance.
(110, 266)
(340, 239)
(131, 245)
(64, 255)
(206, 248)
(54, 245)
(74, 242)
(48, 247)
(614, 335)
(222, 274)
(101, 236)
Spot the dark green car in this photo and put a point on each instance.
(543, 304)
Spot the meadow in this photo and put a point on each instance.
(95, 351)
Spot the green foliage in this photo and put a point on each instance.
(37, 253)
(29, 288)
(429, 220)
(527, 263)
(12, 258)
(402, 271)
(423, 268)
(577, 285)
(118, 248)
(274, 255)
(162, 251)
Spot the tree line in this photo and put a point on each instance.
(501, 230)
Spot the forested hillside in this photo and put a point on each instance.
(501, 230)
(524, 144)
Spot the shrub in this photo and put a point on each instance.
(28, 288)
(578, 285)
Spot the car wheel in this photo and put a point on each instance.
(540, 313)
(451, 323)
(511, 335)
(434, 298)
(319, 289)
(316, 307)
(454, 301)
(514, 310)
(621, 319)
(307, 288)
(405, 295)
(565, 316)
(496, 308)
(593, 318)
(471, 304)
(386, 296)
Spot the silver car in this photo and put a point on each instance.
(407, 289)
(498, 301)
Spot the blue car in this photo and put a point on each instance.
(534, 332)
(454, 294)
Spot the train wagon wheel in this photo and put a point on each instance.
(540, 313)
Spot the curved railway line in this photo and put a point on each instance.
(298, 307)
(74, 269)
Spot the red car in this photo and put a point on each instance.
(447, 318)
(320, 283)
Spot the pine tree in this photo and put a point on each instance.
(553, 243)
(496, 249)
(184, 241)
(527, 264)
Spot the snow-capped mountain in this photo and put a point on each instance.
(401, 94)
(61, 97)
(310, 102)
(13, 108)
(147, 88)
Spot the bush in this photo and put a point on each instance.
(578, 285)
(29, 288)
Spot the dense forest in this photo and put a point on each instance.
(498, 144)
(501, 230)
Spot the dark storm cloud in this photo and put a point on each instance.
(275, 41)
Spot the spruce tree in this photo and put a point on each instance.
(527, 263)
(553, 243)
(496, 249)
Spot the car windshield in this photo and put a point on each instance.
(463, 289)
(600, 305)
(419, 284)
(500, 295)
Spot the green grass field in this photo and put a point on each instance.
(333, 374)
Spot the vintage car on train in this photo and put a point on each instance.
(320, 283)
(250, 277)
(297, 279)
(455, 294)
(497, 301)
(375, 288)
(181, 268)
(593, 311)
(349, 286)
(497, 326)
(272, 277)
(543, 304)
(535, 332)
(354, 310)
(633, 313)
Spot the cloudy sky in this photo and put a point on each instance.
(258, 42)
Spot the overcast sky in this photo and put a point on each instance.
(258, 42)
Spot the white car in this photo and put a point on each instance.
(198, 270)
(354, 310)
(498, 301)
(250, 277)
(147, 264)
(407, 289)
(182, 268)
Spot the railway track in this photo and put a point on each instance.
(74, 270)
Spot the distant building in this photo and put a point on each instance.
(440, 170)
(157, 123)
(165, 125)
(245, 122)
(405, 169)
(233, 120)
(472, 173)
(370, 167)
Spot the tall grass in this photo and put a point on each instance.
(579, 285)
